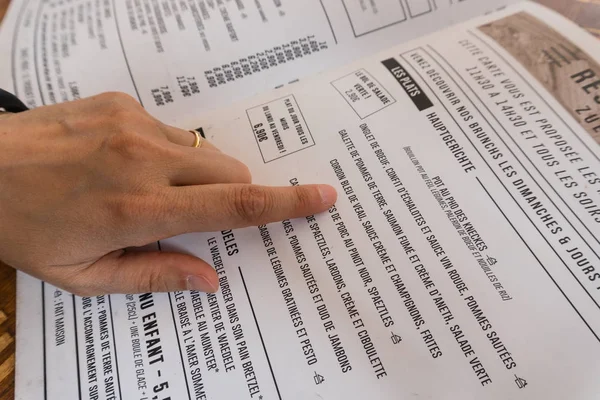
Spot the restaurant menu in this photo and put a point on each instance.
(182, 58)
(461, 260)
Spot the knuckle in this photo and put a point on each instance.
(127, 140)
(303, 198)
(120, 116)
(119, 107)
(152, 279)
(118, 99)
(252, 203)
(125, 143)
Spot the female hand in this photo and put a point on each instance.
(81, 181)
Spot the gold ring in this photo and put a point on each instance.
(197, 139)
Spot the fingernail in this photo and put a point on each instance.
(200, 283)
(328, 194)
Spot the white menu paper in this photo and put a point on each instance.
(461, 260)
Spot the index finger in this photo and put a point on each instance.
(227, 206)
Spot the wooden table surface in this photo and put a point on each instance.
(585, 12)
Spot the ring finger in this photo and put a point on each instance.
(187, 138)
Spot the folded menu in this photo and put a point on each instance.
(461, 259)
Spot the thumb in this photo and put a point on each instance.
(130, 272)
